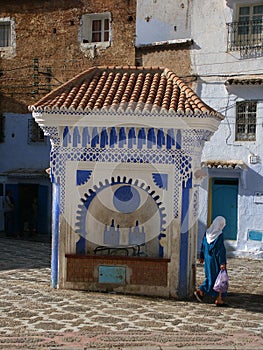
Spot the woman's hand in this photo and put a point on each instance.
(223, 267)
(201, 260)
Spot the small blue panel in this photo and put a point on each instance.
(112, 274)
(255, 235)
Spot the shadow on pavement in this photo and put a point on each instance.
(24, 254)
(249, 302)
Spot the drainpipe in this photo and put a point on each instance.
(55, 234)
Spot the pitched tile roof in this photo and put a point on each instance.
(125, 89)
(224, 164)
(245, 80)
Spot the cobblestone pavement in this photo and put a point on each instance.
(35, 316)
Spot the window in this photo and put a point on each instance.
(35, 133)
(95, 29)
(246, 112)
(249, 24)
(246, 31)
(5, 33)
(7, 38)
(100, 30)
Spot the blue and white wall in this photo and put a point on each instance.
(214, 65)
(126, 184)
(206, 24)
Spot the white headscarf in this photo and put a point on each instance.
(215, 229)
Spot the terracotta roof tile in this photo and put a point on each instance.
(245, 80)
(224, 164)
(139, 89)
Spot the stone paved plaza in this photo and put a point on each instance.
(35, 316)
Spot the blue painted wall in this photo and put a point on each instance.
(15, 150)
(17, 153)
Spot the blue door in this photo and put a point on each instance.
(224, 202)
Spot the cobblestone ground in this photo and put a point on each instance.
(35, 316)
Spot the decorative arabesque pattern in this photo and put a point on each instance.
(113, 230)
(195, 203)
(178, 155)
(193, 140)
(121, 137)
(53, 133)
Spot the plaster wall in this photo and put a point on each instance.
(209, 54)
(223, 146)
(215, 65)
(158, 20)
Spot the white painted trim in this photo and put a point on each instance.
(166, 42)
(177, 121)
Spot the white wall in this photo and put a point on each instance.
(158, 20)
(209, 32)
(214, 65)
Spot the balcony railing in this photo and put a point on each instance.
(246, 37)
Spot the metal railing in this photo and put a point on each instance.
(245, 36)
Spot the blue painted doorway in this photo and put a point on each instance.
(224, 202)
(31, 203)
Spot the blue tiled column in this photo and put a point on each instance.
(184, 242)
(55, 233)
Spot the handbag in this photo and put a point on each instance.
(221, 283)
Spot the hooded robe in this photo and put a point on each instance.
(214, 254)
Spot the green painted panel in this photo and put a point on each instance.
(112, 274)
(255, 235)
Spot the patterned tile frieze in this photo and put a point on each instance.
(116, 145)
(181, 161)
(121, 137)
(127, 137)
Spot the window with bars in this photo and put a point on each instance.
(246, 31)
(96, 29)
(246, 115)
(35, 133)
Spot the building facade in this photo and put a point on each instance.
(163, 36)
(225, 69)
(42, 45)
(230, 78)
